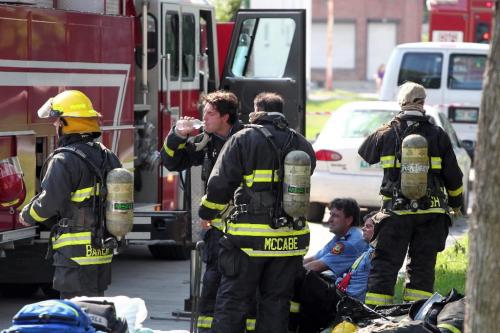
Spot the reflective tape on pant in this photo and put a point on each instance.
(294, 307)
(378, 299)
(415, 294)
(449, 327)
(205, 322)
(261, 253)
(250, 324)
(96, 260)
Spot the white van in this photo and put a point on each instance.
(452, 74)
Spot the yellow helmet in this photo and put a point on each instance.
(69, 103)
(344, 327)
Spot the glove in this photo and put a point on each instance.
(455, 212)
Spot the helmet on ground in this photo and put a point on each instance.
(12, 189)
(69, 103)
(411, 93)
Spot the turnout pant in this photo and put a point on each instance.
(211, 279)
(422, 236)
(314, 303)
(242, 276)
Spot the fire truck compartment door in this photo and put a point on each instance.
(267, 53)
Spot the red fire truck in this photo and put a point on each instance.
(144, 64)
(460, 20)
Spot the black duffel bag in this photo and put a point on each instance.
(103, 316)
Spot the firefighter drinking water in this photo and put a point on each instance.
(421, 179)
(263, 246)
(181, 151)
(72, 196)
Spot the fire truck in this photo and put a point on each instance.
(460, 20)
(144, 64)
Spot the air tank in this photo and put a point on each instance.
(296, 183)
(414, 166)
(119, 202)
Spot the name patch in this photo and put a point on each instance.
(281, 244)
(91, 252)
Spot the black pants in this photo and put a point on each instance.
(211, 279)
(318, 298)
(423, 236)
(241, 277)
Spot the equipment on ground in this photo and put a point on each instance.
(414, 168)
(119, 202)
(51, 316)
(12, 188)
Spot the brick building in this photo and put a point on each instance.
(365, 32)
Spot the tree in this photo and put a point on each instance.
(226, 9)
(483, 292)
(329, 47)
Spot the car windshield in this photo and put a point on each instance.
(356, 123)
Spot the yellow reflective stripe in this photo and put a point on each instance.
(378, 299)
(35, 215)
(436, 162)
(260, 176)
(294, 307)
(205, 322)
(388, 161)
(449, 327)
(217, 223)
(415, 294)
(95, 260)
(77, 238)
(250, 324)
(251, 229)
(262, 253)
(457, 192)
(385, 198)
(10, 203)
(420, 211)
(84, 194)
(169, 151)
(212, 205)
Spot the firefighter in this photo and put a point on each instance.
(421, 179)
(69, 193)
(180, 151)
(261, 249)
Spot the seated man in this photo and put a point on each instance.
(347, 243)
(318, 296)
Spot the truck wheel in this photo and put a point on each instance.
(316, 212)
(170, 252)
(18, 289)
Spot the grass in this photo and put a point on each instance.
(451, 270)
(320, 105)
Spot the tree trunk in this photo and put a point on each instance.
(329, 47)
(483, 292)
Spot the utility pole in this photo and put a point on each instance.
(329, 46)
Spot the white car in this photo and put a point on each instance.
(341, 172)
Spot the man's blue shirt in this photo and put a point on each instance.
(341, 252)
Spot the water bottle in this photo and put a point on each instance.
(187, 124)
